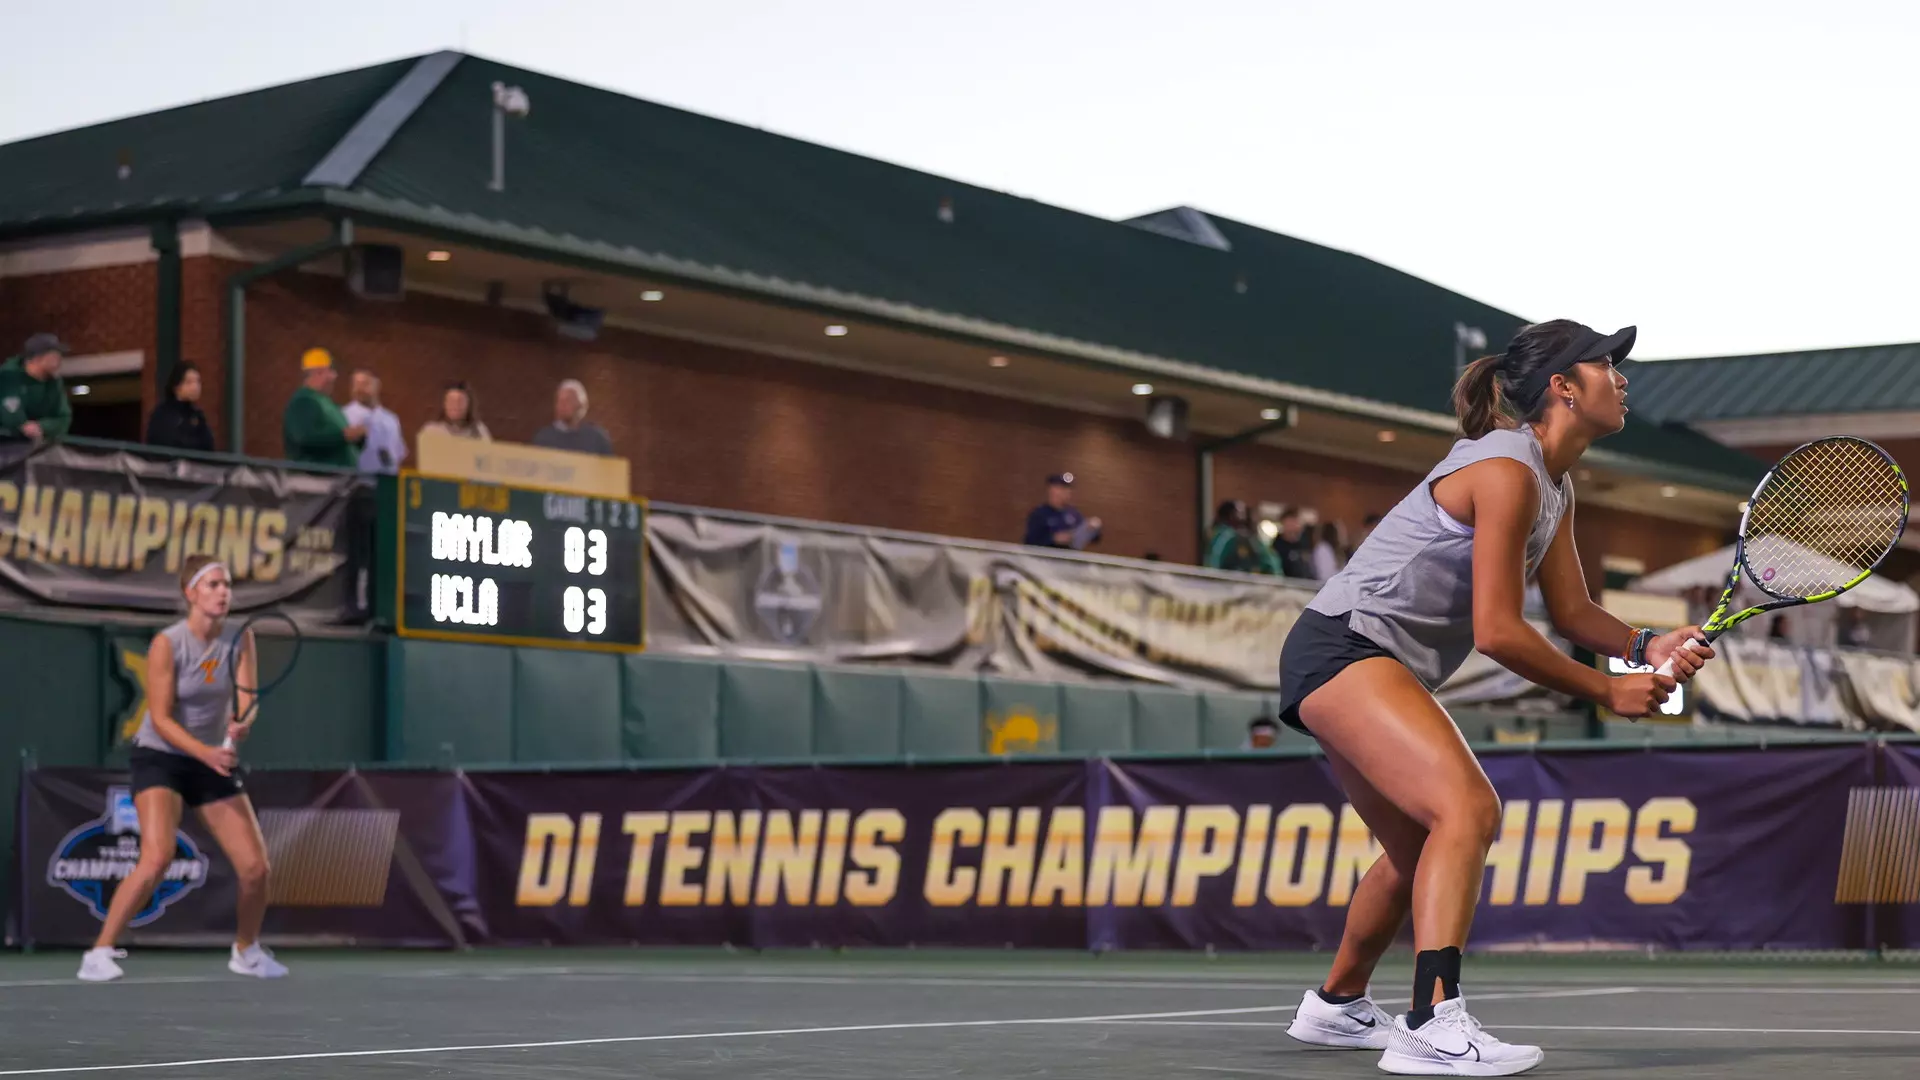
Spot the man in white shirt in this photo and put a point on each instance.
(386, 445)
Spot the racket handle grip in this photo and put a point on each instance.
(226, 743)
(1667, 668)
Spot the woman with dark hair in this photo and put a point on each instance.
(1329, 549)
(459, 414)
(1442, 575)
(177, 421)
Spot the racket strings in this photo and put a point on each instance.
(1828, 513)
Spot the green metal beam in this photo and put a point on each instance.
(166, 329)
(1203, 509)
(341, 239)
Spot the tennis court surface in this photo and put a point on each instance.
(591, 1015)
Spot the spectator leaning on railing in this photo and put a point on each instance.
(33, 399)
(314, 429)
(177, 422)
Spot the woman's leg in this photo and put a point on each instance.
(233, 825)
(1380, 722)
(159, 811)
(1380, 904)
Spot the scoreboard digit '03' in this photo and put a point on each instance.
(502, 565)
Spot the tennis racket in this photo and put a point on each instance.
(1821, 520)
(265, 677)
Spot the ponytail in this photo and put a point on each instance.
(1477, 400)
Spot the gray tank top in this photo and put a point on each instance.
(202, 687)
(1409, 588)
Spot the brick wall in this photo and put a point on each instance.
(106, 309)
(722, 428)
(718, 427)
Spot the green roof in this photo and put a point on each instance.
(1881, 378)
(197, 158)
(605, 178)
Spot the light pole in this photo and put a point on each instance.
(506, 100)
(1465, 337)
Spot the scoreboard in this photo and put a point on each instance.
(503, 565)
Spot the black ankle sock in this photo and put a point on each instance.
(1338, 999)
(1434, 965)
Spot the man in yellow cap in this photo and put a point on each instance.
(314, 428)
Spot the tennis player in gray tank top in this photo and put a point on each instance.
(202, 687)
(179, 761)
(1443, 574)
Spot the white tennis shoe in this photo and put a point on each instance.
(1357, 1025)
(255, 961)
(97, 965)
(1452, 1044)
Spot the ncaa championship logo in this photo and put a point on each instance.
(92, 860)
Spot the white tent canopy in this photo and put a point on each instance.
(1884, 608)
(1881, 596)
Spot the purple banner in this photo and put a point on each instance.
(1796, 848)
(356, 859)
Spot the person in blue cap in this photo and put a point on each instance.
(1057, 523)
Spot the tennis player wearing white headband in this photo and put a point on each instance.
(182, 757)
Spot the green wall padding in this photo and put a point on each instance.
(566, 706)
(1165, 720)
(856, 713)
(942, 715)
(766, 710)
(670, 708)
(1095, 719)
(451, 693)
(1019, 717)
(328, 711)
(53, 703)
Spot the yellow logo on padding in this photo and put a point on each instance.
(135, 665)
(1021, 730)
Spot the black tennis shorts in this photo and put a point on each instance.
(1317, 648)
(197, 784)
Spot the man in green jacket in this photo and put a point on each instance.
(1235, 545)
(33, 399)
(314, 429)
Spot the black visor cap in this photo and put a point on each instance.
(1588, 344)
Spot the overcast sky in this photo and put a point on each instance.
(1732, 177)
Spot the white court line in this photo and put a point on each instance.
(591, 975)
(1607, 991)
(159, 980)
(1292, 986)
(1780, 990)
(1708, 1030)
(679, 1037)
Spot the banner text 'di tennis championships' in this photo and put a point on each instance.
(1628, 848)
(1798, 848)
